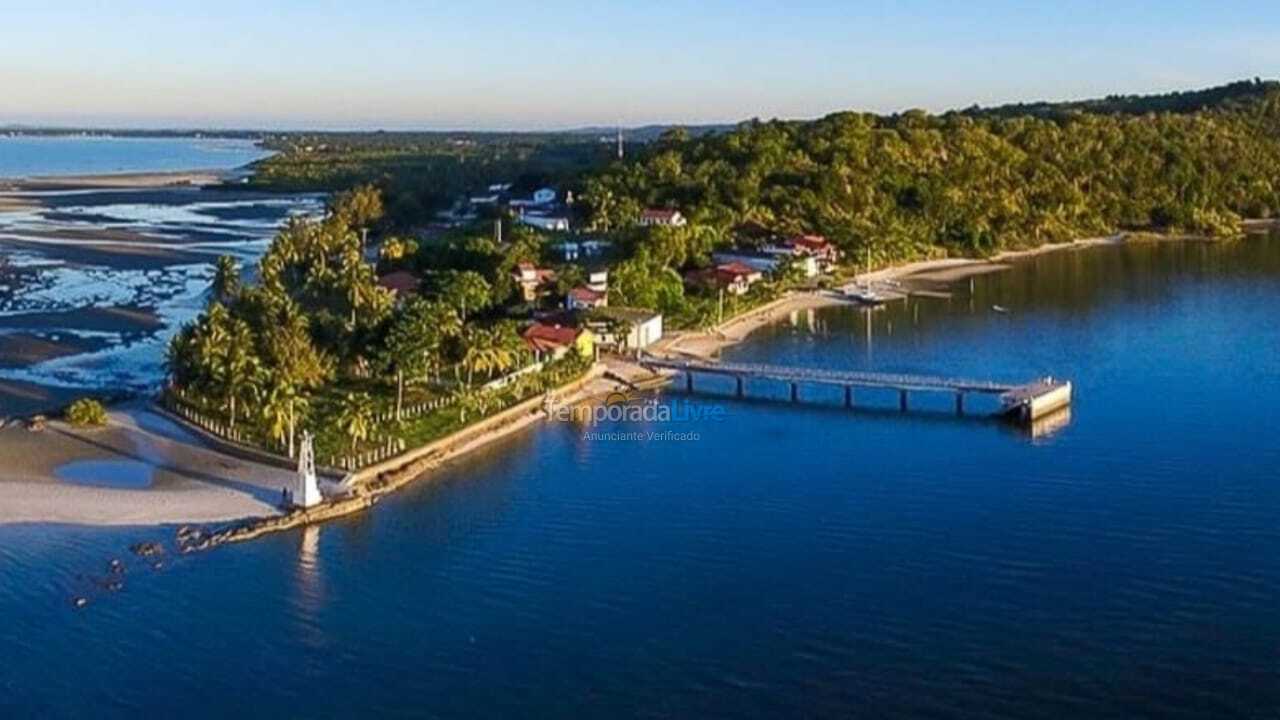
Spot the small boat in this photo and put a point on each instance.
(1000, 309)
(865, 295)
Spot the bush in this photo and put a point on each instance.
(87, 412)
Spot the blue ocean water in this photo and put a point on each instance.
(791, 561)
(31, 156)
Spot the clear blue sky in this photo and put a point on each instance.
(558, 63)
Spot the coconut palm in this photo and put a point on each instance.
(467, 290)
(355, 417)
(226, 282)
(237, 369)
(283, 405)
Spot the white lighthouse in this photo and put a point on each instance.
(307, 491)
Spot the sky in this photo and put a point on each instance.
(477, 64)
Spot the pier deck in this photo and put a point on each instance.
(1025, 402)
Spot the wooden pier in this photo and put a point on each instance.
(1026, 402)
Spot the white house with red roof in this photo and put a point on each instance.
(532, 280)
(817, 247)
(586, 298)
(735, 278)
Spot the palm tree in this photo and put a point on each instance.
(356, 280)
(467, 290)
(226, 280)
(282, 406)
(237, 369)
(356, 417)
(471, 401)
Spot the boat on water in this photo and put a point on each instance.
(865, 295)
(1000, 309)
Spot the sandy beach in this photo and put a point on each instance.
(144, 468)
(117, 180)
(921, 275)
(187, 481)
(141, 469)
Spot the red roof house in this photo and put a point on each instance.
(402, 283)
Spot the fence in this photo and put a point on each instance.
(408, 412)
(205, 422)
(391, 447)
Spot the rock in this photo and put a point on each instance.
(37, 423)
(147, 549)
(115, 567)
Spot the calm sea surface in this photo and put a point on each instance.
(792, 561)
(39, 156)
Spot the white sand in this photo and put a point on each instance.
(190, 482)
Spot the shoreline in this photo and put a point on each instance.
(923, 274)
(366, 486)
(194, 481)
(125, 180)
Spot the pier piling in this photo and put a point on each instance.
(1026, 402)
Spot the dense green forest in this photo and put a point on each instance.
(422, 173)
(915, 185)
(1236, 95)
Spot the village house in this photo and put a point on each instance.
(825, 254)
(598, 279)
(572, 251)
(541, 198)
(532, 280)
(586, 298)
(766, 262)
(550, 223)
(556, 341)
(624, 329)
(402, 284)
(656, 216)
(735, 278)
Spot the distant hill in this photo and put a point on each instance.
(1233, 96)
(650, 133)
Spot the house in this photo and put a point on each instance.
(532, 280)
(586, 298)
(625, 328)
(569, 250)
(592, 248)
(735, 278)
(402, 283)
(825, 254)
(766, 261)
(598, 279)
(655, 216)
(551, 223)
(556, 341)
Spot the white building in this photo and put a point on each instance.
(546, 222)
(598, 279)
(645, 327)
